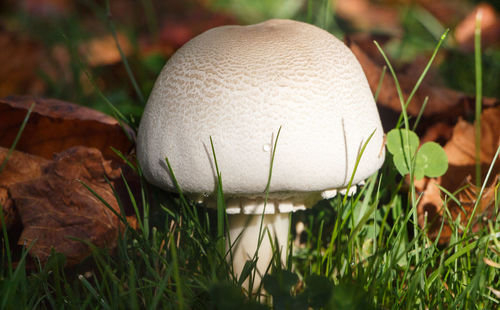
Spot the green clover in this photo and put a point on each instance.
(431, 160)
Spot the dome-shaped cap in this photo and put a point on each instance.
(238, 85)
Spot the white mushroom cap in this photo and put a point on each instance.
(238, 85)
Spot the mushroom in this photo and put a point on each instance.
(239, 85)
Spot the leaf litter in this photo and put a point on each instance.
(43, 187)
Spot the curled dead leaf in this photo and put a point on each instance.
(20, 167)
(459, 178)
(56, 125)
(55, 207)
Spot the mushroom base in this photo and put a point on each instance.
(244, 232)
(276, 202)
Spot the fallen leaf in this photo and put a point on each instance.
(9, 213)
(461, 147)
(490, 28)
(441, 100)
(56, 125)
(385, 14)
(56, 207)
(460, 179)
(444, 105)
(438, 132)
(367, 15)
(19, 168)
(103, 51)
(19, 57)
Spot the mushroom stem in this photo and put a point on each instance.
(244, 234)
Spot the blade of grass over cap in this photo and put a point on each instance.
(221, 207)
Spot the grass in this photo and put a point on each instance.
(359, 252)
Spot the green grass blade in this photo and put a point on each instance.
(122, 55)
(94, 292)
(18, 136)
(478, 199)
(221, 207)
(177, 277)
(380, 82)
(479, 94)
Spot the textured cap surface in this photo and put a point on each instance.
(238, 85)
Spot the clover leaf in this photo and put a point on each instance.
(430, 161)
(402, 144)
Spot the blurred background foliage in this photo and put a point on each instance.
(67, 49)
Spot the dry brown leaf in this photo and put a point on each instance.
(20, 167)
(365, 14)
(444, 105)
(103, 51)
(490, 28)
(441, 100)
(56, 206)
(460, 175)
(437, 132)
(385, 14)
(19, 57)
(9, 213)
(56, 125)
